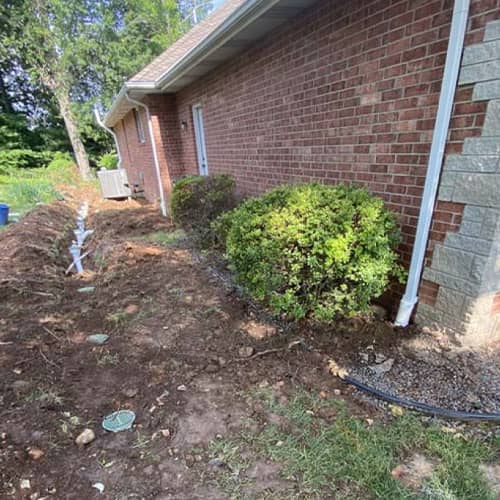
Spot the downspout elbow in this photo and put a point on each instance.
(110, 131)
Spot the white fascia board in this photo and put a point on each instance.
(242, 17)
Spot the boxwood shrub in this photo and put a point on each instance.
(198, 200)
(312, 251)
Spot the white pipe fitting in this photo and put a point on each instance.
(76, 253)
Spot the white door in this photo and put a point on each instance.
(199, 133)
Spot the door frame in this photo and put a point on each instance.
(199, 136)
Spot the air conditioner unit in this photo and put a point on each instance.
(114, 184)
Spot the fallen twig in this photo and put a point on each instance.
(50, 362)
(50, 332)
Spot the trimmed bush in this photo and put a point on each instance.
(198, 200)
(312, 250)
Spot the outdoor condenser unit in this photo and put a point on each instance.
(114, 183)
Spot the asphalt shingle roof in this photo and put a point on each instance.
(167, 59)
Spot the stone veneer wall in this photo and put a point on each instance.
(466, 265)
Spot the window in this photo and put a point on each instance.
(139, 127)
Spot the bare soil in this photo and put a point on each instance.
(180, 355)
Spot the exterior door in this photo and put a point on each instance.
(199, 134)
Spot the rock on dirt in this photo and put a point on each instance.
(86, 437)
(414, 472)
(35, 453)
(382, 368)
(246, 352)
(258, 330)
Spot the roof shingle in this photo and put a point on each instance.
(167, 59)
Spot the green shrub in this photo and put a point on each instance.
(23, 158)
(108, 161)
(197, 201)
(312, 250)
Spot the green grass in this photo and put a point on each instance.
(22, 189)
(166, 238)
(349, 459)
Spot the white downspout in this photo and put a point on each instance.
(448, 87)
(163, 204)
(107, 129)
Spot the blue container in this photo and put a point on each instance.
(4, 214)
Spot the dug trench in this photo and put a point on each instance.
(175, 339)
(185, 352)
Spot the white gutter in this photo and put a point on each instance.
(446, 99)
(107, 129)
(163, 205)
(239, 19)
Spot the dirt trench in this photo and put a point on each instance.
(176, 335)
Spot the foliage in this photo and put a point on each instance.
(23, 158)
(61, 58)
(347, 458)
(108, 161)
(312, 250)
(24, 188)
(198, 200)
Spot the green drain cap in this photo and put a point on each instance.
(119, 421)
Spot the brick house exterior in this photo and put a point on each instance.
(347, 92)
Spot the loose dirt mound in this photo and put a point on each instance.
(33, 253)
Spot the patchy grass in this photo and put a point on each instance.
(345, 457)
(166, 238)
(22, 189)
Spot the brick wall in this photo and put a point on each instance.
(346, 93)
(137, 157)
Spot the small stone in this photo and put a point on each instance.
(99, 487)
(130, 393)
(379, 312)
(132, 309)
(369, 421)
(182, 388)
(246, 352)
(396, 411)
(25, 484)
(86, 437)
(382, 368)
(35, 453)
(165, 433)
(323, 395)
(337, 392)
(98, 338)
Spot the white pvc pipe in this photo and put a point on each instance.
(163, 204)
(446, 99)
(76, 253)
(107, 129)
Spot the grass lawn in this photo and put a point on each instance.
(22, 189)
(350, 458)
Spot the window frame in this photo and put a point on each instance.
(139, 126)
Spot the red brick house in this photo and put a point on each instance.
(396, 95)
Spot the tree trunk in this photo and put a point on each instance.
(78, 148)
